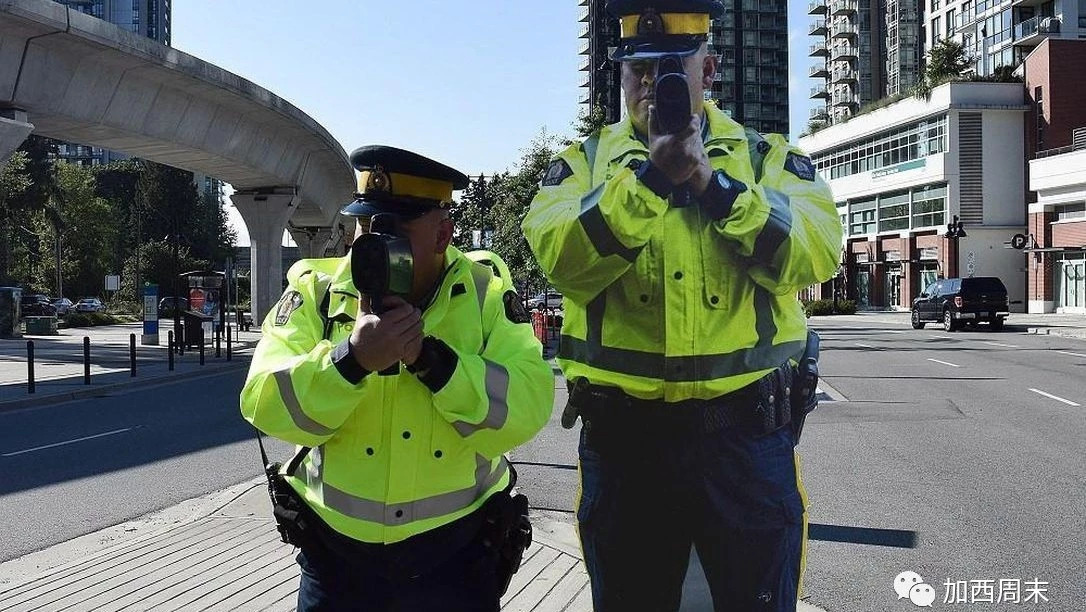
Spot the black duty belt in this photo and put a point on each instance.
(761, 407)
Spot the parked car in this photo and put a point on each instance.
(166, 306)
(63, 306)
(90, 305)
(958, 301)
(36, 305)
(546, 300)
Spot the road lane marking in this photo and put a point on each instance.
(946, 363)
(1058, 399)
(943, 337)
(1072, 354)
(1001, 344)
(862, 345)
(38, 448)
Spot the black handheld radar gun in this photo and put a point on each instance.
(672, 95)
(381, 264)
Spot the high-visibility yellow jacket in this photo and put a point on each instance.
(670, 303)
(391, 456)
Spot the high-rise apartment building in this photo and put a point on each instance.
(868, 49)
(751, 40)
(149, 18)
(999, 33)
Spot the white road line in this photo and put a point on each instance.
(943, 337)
(1058, 399)
(1001, 344)
(946, 363)
(38, 448)
(862, 345)
(1072, 354)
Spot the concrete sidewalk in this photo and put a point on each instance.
(1063, 325)
(58, 364)
(222, 552)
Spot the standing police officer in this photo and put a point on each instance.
(680, 256)
(403, 413)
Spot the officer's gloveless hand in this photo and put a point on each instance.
(680, 155)
(381, 341)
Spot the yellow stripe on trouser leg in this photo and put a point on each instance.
(803, 546)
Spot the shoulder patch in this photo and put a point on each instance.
(514, 308)
(801, 166)
(291, 301)
(557, 172)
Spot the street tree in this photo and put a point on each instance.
(947, 61)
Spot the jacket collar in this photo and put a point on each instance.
(621, 138)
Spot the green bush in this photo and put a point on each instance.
(89, 319)
(124, 307)
(819, 308)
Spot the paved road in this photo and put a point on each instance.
(74, 468)
(974, 439)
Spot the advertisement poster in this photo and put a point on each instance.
(150, 314)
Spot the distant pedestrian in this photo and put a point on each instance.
(400, 494)
(679, 257)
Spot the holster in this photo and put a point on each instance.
(293, 518)
(805, 385)
(507, 532)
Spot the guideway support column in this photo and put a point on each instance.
(14, 128)
(266, 213)
(312, 241)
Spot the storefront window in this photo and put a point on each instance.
(894, 211)
(929, 206)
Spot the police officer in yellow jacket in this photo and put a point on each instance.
(403, 412)
(679, 256)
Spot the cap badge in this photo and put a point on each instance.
(378, 181)
(650, 23)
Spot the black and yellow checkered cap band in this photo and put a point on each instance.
(377, 184)
(674, 24)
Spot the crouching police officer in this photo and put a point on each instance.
(679, 246)
(402, 405)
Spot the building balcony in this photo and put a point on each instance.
(843, 76)
(843, 53)
(818, 7)
(819, 92)
(843, 30)
(1021, 3)
(844, 101)
(584, 47)
(818, 71)
(819, 113)
(1031, 32)
(818, 50)
(818, 28)
(843, 7)
(584, 15)
(586, 63)
(586, 81)
(586, 31)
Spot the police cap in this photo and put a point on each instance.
(654, 28)
(396, 181)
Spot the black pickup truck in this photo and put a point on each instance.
(955, 302)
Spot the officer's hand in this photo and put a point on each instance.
(681, 156)
(412, 349)
(380, 341)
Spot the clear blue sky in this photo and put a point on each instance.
(467, 83)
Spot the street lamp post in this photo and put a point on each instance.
(955, 231)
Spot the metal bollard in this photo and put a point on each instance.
(201, 351)
(229, 352)
(86, 360)
(169, 350)
(30, 388)
(132, 353)
(218, 342)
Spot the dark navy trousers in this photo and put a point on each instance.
(465, 582)
(647, 495)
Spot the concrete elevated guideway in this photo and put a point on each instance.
(69, 76)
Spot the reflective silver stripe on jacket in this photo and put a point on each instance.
(391, 515)
(777, 226)
(294, 408)
(497, 393)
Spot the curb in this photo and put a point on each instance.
(1048, 331)
(93, 391)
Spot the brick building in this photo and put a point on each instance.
(1056, 149)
